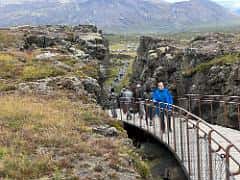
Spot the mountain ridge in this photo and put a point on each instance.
(116, 15)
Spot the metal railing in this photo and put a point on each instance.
(216, 109)
(204, 152)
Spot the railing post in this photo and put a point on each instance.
(189, 103)
(120, 106)
(133, 106)
(174, 131)
(181, 140)
(225, 114)
(168, 126)
(154, 119)
(161, 121)
(228, 173)
(238, 116)
(188, 147)
(210, 154)
(211, 112)
(146, 113)
(198, 152)
(199, 108)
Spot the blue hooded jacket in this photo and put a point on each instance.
(163, 96)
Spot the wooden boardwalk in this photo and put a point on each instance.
(191, 140)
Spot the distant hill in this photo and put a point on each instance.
(118, 15)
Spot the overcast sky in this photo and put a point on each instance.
(233, 4)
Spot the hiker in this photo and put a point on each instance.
(163, 101)
(140, 101)
(126, 97)
(113, 102)
(148, 106)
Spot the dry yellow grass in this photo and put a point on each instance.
(36, 130)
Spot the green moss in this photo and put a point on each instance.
(39, 72)
(225, 59)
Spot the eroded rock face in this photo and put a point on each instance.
(208, 64)
(88, 87)
(83, 43)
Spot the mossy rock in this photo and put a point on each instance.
(221, 60)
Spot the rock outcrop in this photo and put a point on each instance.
(208, 64)
(79, 52)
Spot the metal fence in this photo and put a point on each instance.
(216, 109)
(203, 151)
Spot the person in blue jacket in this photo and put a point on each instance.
(163, 101)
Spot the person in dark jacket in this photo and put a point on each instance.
(113, 103)
(163, 101)
(126, 99)
(139, 99)
(148, 106)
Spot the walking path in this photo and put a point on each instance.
(190, 141)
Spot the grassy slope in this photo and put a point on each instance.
(42, 138)
(51, 137)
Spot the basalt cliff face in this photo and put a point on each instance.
(208, 64)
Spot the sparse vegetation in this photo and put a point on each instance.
(39, 72)
(140, 165)
(9, 66)
(40, 137)
(7, 39)
(88, 70)
(225, 59)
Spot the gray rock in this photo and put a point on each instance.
(106, 131)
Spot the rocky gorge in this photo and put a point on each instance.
(207, 64)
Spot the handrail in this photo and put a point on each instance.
(187, 124)
(195, 102)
